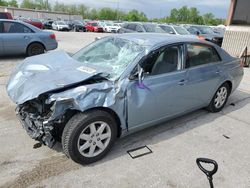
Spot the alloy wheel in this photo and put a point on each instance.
(94, 139)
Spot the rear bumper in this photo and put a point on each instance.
(51, 46)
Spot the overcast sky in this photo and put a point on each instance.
(158, 8)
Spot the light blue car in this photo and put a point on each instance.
(17, 37)
(118, 85)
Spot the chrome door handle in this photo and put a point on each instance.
(218, 72)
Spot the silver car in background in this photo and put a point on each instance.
(118, 85)
(17, 37)
(60, 26)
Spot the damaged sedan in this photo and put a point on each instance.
(118, 85)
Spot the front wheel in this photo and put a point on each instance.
(220, 99)
(88, 137)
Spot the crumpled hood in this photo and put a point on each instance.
(47, 72)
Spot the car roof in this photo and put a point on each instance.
(151, 40)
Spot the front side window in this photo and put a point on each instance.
(166, 60)
(198, 54)
(10, 27)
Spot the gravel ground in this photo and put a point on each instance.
(224, 136)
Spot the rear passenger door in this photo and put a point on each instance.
(203, 75)
(16, 37)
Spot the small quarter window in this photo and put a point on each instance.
(198, 54)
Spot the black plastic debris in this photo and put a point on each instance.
(227, 137)
(37, 145)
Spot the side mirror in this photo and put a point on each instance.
(140, 75)
(198, 33)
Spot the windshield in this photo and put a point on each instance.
(78, 22)
(112, 55)
(205, 30)
(109, 24)
(153, 28)
(61, 23)
(180, 30)
(167, 29)
(94, 24)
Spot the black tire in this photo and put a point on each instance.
(35, 49)
(212, 106)
(74, 128)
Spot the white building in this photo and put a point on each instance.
(39, 14)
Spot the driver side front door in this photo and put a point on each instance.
(162, 94)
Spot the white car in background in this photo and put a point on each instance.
(60, 26)
(110, 27)
(174, 29)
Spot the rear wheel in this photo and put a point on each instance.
(35, 49)
(220, 98)
(88, 137)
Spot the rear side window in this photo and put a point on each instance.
(10, 27)
(198, 54)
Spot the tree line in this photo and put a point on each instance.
(183, 15)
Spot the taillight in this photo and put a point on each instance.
(201, 37)
(52, 36)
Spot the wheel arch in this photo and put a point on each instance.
(70, 113)
(230, 84)
(35, 42)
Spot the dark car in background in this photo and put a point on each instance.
(78, 26)
(93, 27)
(206, 33)
(6, 15)
(48, 24)
(18, 37)
(140, 28)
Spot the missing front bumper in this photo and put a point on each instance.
(37, 129)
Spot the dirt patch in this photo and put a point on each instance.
(47, 168)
